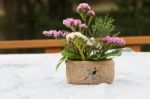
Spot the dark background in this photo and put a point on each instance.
(26, 19)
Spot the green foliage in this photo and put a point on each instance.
(60, 61)
(103, 26)
(116, 52)
(79, 49)
(71, 53)
(94, 42)
(105, 55)
(80, 44)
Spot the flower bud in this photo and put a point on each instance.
(91, 13)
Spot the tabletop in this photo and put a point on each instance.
(33, 76)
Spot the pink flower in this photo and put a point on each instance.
(83, 26)
(45, 32)
(55, 34)
(90, 13)
(114, 40)
(65, 33)
(77, 22)
(69, 22)
(83, 7)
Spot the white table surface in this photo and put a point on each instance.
(33, 76)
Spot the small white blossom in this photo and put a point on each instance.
(91, 41)
(75, 34)
(98, 45)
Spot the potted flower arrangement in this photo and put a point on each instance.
(90, 47)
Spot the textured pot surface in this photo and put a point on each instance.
(90, 72)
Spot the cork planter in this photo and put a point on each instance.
(90, 72)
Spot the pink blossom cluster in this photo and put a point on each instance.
(70, 22)
(114, 40)
(55, 34)
(85, 8)
(82, 26)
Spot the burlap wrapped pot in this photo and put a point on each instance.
(90, 72)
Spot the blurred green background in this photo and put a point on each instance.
(26, 19)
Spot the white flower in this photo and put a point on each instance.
(75, 34)
(69, 36)
(91, 41)
(98, 45)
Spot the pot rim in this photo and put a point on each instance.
(89, 60)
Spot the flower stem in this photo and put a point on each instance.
(80, 51)
(83, 17)
(82, 55)
(73, 29)
(89, 22)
